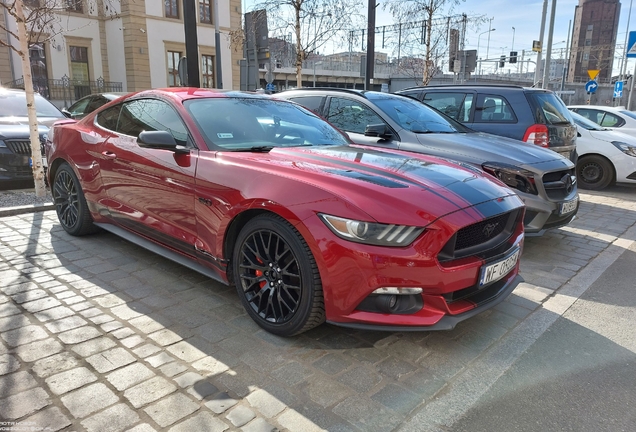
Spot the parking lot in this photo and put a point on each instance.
(98, 334)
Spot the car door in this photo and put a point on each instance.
(353, 117)
(151, 191)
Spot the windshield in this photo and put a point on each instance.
(417, 117)
(628, 114)
(585, 123)
(553, 108)
(260, 124)
(13, 104)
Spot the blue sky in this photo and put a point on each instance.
(525, 16)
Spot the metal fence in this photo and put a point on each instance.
(68, 90)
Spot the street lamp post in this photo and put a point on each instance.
(316, 63)
(478, 40)
(489, 30)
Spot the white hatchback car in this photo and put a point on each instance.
(605, 156)
(617, 118)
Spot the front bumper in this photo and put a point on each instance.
(542, 214)
(14, 167)
(351, 272)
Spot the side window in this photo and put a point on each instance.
(79, 108)
(351, 116)
(108, 118)
(610, 120)
(312, 103)
(591, 114)
(453, 105)
(493, 109)
(95, 103)
(151, 115)
(417, 94)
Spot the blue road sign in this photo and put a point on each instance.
(270, 87)
(591, 86)
(618, 89)
(631, 45)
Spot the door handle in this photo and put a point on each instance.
(109, 155)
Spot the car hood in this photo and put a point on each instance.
(19, 131)
(609, 135)
(389, 186)
(17, 121)
(477, 148)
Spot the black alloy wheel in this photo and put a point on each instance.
(277, 277)
(594, 172)
(70, 204)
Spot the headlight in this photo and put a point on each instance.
(370, 232)
(2, 144)
(628, 149)
(512, 176)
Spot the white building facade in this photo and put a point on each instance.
(123, 45)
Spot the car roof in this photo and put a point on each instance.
(601, 107)
(185, 93)
(477, 86)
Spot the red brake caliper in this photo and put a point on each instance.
(260, 273)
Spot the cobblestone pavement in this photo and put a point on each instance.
(98, 334)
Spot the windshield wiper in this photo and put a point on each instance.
(255, 149)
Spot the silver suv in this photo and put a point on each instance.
(544, 179)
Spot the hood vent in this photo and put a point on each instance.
(377, 180)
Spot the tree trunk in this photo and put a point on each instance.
(299, 51)
(36, 153)
(428, 63)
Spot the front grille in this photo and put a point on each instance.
(555, 184)
(22, 147)
(483, 238)
(481, 232)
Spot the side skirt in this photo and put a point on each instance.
(162, 251)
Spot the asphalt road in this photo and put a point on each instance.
(580, 375)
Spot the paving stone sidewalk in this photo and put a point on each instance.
(97, 334)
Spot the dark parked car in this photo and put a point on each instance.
(543, 179)
(536, 116)
(265, 195)
(90, 103)
(15, 143)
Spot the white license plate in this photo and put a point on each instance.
(495, 271)
(568, 206)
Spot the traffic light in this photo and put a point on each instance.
(513, 57)
(502, 61)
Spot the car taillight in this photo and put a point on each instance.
(537, 134)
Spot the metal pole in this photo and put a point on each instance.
(546, 64)
(191, 42)
(537, 71)
(217, 46)
(489, 31)
(566, 63)
(631, 90)
(370, 45)
(624, 58)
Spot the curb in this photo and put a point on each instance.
(34, 208)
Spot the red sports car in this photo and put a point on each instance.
(265, 195)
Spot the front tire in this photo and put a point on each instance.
(276, 277)
(70, 204)
(594, 172)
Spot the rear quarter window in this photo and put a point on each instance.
(548, 108)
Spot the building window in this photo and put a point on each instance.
(588, 42)
(207, 71)
(79, 71)
(37, 57)
(586, 56)
(74, 6)
(173, 68)
(205, 14)
(171, 8)
(32, 3)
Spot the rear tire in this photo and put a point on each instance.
(70, 204)
(276, 277)
(594, 172)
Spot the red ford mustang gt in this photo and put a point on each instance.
(267, 196)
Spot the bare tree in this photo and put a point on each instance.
(37, 21)
(434, 13)
(313, 22)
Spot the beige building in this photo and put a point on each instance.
(123, 45)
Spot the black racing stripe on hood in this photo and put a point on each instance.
(409, 167)
(377, 180)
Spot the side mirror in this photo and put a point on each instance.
(160, 140)
(66, 113)
(378, 130)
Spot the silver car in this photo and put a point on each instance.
(544, 180)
